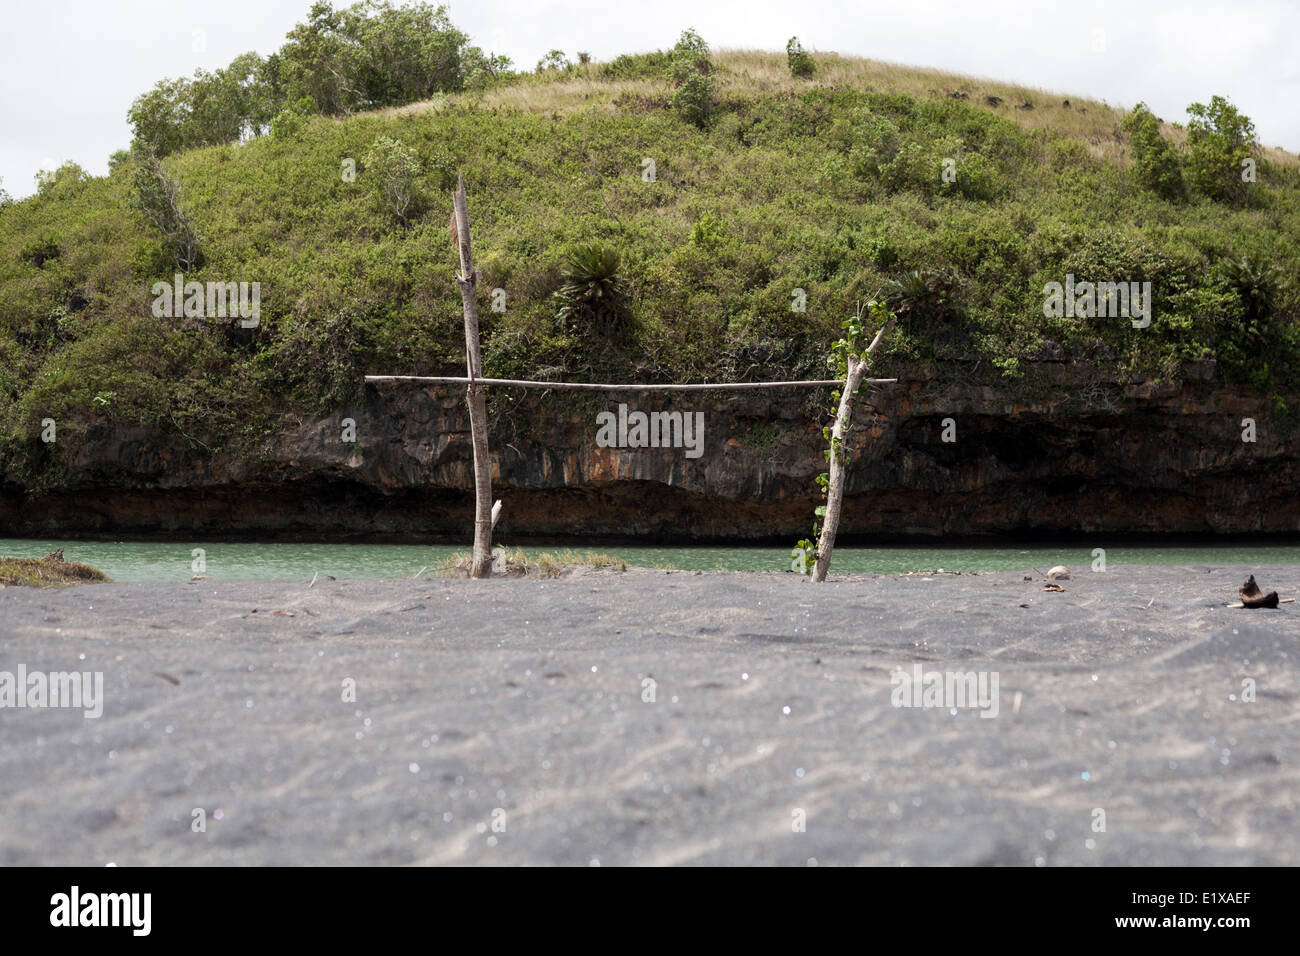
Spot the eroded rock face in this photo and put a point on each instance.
(1082, 457)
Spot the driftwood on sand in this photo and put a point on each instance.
(1253, 597)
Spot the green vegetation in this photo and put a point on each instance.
(339, 62)
(46, 573)
(1222, 153)
(60, 182)
(592, 297)
(761, 436)
(861, 181)
(554, 60)
(691, 72)
(394, 173)
(800, 60)
(156, 196)
(1155, 161)
(1220, 140)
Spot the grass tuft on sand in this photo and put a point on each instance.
(47, 573)
(519, 563)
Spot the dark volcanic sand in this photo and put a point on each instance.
(526, 695)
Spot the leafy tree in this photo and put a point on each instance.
(404, 53)
(249, 89)
(319, 61)
(50, 182)
(1156, 163)
(209, 109)
(119, 159)
(1219, 137)
(5, 198)
(483, 69)
(554, 60)
(216, 112)
(800, 61)
(272, 85)
(369, 55)
(158, 118)
(394, 172)
(691, 73)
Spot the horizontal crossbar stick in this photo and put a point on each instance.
(597, 387)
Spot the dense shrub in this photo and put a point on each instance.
(394, 172)
(60, 182)
(1156, 163)
(798, 59)
(691, 73)
(1219, 139)
(637, 66)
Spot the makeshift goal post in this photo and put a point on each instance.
(486, 513)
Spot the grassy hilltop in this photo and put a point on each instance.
(830, 183)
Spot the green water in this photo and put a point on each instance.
(133, 561)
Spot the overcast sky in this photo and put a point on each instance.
(72, 67)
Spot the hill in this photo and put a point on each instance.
(796, 191)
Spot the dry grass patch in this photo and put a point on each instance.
(519, 564)
(47, 573)
(748, 71)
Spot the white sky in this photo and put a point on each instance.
(72, 67)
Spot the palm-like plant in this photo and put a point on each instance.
(592, 290)
(922, 296)
(1259, 284)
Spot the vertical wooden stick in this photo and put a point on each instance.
(481, 566)
(858, 366)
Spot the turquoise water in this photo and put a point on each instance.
(133, 561)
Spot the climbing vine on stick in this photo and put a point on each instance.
(851, 358)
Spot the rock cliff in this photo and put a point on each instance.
(1077, 457)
